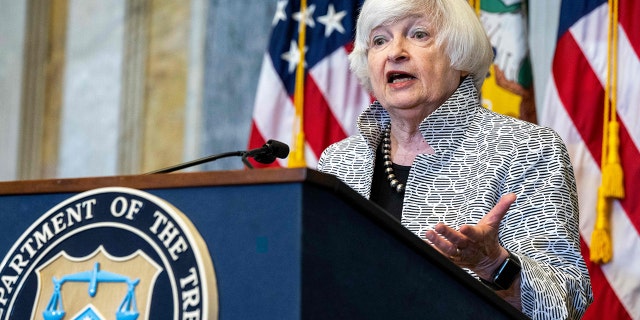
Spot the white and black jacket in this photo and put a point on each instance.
(480, 156)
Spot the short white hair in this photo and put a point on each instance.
(457, 28)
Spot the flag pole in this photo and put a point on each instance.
(296, 158)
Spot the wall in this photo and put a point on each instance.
(145, 84)
(237, 37)
(12, 20)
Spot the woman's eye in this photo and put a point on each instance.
(420, 34)
(378, 41)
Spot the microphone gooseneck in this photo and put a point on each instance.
(266, 154)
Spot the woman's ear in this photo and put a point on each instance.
(463, 75)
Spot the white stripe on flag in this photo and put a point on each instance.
(592, 38)
(341, 89)
(273, 113)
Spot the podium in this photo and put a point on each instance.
(285, 244)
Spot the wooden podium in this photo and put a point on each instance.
(289, 244)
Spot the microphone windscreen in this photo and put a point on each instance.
(264, 158)
(278, 149)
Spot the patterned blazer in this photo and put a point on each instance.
(480, 156)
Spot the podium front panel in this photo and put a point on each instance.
(289, 244)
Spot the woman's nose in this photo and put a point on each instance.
(397, 50)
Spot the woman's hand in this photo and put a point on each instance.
(474, 246)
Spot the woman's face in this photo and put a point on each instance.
(409, 73)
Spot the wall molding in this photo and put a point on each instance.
(136, 38)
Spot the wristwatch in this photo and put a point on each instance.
(505, 274)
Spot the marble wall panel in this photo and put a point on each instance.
(166, 84)
(12, 28)
(237, 37)
(91, 94)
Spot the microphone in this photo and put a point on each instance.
(266, 154)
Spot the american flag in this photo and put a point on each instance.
(333, 97)
(575, 108)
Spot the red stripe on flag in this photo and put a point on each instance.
(256, 140)
(349, 47)
(606, 303)
(584, 104)
(629, 156)
(580, 92)
(320, 125)
(628, 18)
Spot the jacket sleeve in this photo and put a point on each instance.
(542, 229)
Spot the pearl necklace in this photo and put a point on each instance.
(388, 164)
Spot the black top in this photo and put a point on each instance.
(381, 192)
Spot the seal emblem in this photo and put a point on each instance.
(109, 253)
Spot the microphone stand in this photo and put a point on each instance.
(266, 154)
(205, 159)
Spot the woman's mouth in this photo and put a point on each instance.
(397, 77)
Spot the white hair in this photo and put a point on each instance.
(457, 28)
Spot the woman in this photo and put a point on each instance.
(495, 194)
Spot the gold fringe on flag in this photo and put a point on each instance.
(612, 174)
(296, 158)
(612, 184)
(600, 248)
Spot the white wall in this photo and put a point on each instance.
(218, 110)
(12, 24)
(543, 19)
(92, 87)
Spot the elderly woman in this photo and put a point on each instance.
(495, 194)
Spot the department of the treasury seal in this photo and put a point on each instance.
(109, 253)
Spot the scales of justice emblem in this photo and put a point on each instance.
(96, 293)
